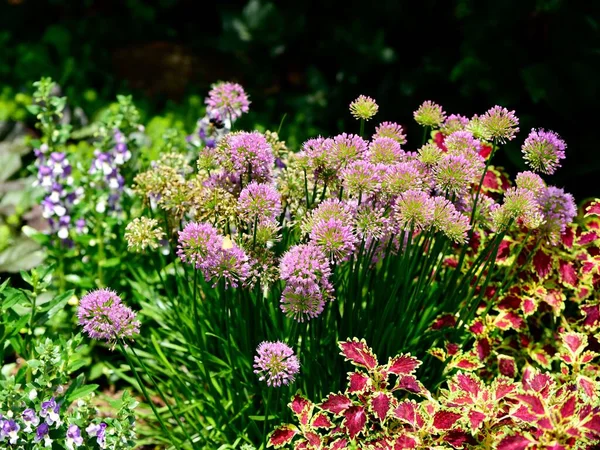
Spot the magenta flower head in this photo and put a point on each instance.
(455, 173)
(543, 151)
(385, 150)
(246, 155)
(413, 209)
(461, 142)
(276, 363)
(335, 237)
(198, 244)
(500, 124)
(260, 201)
(558, 210)
(228, 99)
(363, 108)
(229, 264)
(390, 130)
(104, 316)
(531, 181)
(449, 221)
(360, 178)
(454, 122)
(343, 149)
(429, 114)
(401, 177)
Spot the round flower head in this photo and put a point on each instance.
(360, 178)
(461, 142)
(390, 130)
(454, 122)
(449, 221)
(401, 177)
(343, 149)
(316, 156)
(429, 114)
(430, 155)
(229, 99)
(301, 303)
(558, 210)
(477, 128)
(198, 244)
(413, 209)
(370, 222)
(519, 205)
(335, 237)
(229, 264)
(104, 316)
(329, 209)
(500, 124)
(454, 174)
(363, 108)
(247, 155)
(385, 150)
(260, 201)
(531, 181)
(143, 233)
(543, 151)
(276, 363)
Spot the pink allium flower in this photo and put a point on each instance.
(413, 209)
(543, 151)
(276, 363)
(455, 173)
(558, 210)
(228, 99)
(360, 177)
(519, 205)
(344, 149)
(500, 124)
(449, 221)
(390, 130)
(385, 150)
(335, 237)
(198, 244)
(364, 108)
(261, 201)
(247, 155)
(454, 122)
(401, 177)
(104, 316)
(329, 209)
(429, 114)
(306, 271)
(531, 181)
(461, 142)
(230, 264)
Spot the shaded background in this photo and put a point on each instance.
(540, 58)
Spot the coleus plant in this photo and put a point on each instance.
(384, 406)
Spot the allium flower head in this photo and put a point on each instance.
(454, 174)
(302, 304)
(344, 149)
(413, 209)
(478, 129)
(360, 178)
(461, 142)
(229, 264)
(531, 181)
(519, 205)
(261, 201)
(543, 151)
(104, 316)
(335, 238)
(246, 155)
(430, 155)
(198, 243)
(454, 122)
(229, 99)
(370, 222)
(401, 177)
(143, 233)
(276, 363)
(390, 130)
(429, 114)
(558, 210)
(449, 221)
(363, 108)
(329, 209)
(385, 150)
(501, 124)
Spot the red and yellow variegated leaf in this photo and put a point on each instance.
(515, 442)
(507, 366)
(354, 420)
(465, 362)
(336, 403)
(483, 348)
(403, 365)
(593, 424)
(537, 382)
(523, 412)
(541, 357)
(567, 237)
(301, 445)
(458, 438)
(380, 404)
(503, 387)
(443, 321)
(542, 263)
(313, 439)
(321, 421)
(529, 306)
(509, 319)
(358, 382)
(468, 383)
(477, 327)
(282, 435)
(593, 209)
(567, 409)
(405, 441)
(359, 353)
(533, 401)
(574, 343)
(299, 404)
(556, 299)
(444, 420)
(587, 238)
(476, 418)
(411, 384)
(568, 275)
(589, 387)
(339, 444)
(591, 312)
(406, 411)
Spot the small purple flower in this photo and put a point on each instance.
(229, 99)
(99, 432)
(385, 150)
(198, 243)
(42, 433)
(104, 316)
(50, 412)
(429, 114)
(335, 237)
(344, 149)
(30, 419)
(543, 151)
(247, 155)
(230, 264)
(558, 210)
(9, 429)
(74, 438)
(413, 209)
(360, 178)
(276, 363)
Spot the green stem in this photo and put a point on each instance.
(362, 127)
(267, 404)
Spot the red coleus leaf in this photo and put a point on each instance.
(444, 321)
(404, 441)
(355, 419)
(515, 442)
(403, 365)
(529, 306)
(503, 387)
(509, 319)
(468, 383)
(537, 382)
(359, 353)
(299, 404)
(567, 272)
(593, 424)
(593, 209)
(483, 348)
(336, 403)
(476, 418)
(458, 438)
(542, 263)
(575, 343)
(503, 250)
(465, 362)
(524, 413)
(507, 366)
(587, 238)
(556, 299)
(302, 445)
(485, 150)
(592, 315)
(533, 401)
(567, 409)
(407, 411)
(380, 404)
(339, 444)
(444, 420)
(282, 435)
(587, 385)
(313, 439)
(409, 383)
(321, 421)
(567, 237)
(358, 382)
(477, 327)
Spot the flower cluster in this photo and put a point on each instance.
(143, 233)
(276, 363)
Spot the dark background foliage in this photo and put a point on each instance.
(309, 60)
